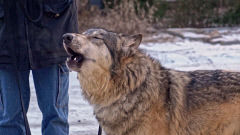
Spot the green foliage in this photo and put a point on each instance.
(186, 13)
(161, 10)
(195, 13)
(232, 16)
(154, 9)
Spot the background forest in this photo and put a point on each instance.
(131, 16)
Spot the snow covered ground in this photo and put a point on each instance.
(181, 49)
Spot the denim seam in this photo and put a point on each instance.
(1, 98)
(59, 87)
(61, 73)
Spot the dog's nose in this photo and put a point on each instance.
(67, 38)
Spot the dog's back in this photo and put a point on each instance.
(212, 87)
(205, 102)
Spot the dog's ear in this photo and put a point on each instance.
(133, 41)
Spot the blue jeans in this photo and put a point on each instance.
(51, 84)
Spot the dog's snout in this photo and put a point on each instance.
(67, 38)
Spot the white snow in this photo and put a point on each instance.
(194, 35)
(192, 55)
(176, 53)
(232, 37)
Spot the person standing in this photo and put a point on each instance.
(31, 40)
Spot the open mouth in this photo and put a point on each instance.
(75, 58)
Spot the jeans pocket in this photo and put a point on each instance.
(63, 84)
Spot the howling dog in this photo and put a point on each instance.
(133, 94)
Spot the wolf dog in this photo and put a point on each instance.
(133, 94)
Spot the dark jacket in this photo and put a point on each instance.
(31, 32)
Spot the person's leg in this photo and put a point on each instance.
(51, 86)
(11, 116)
